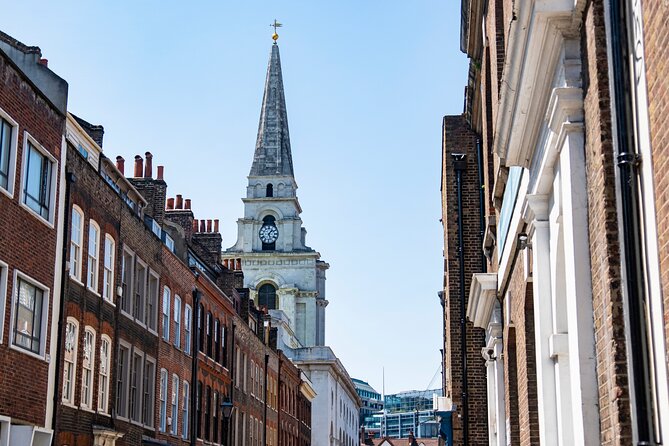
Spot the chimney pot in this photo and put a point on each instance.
(161, 171)
(170, 203)
(139, 166)
(44, 62)
(208, 225)
(148, 167)
(216, 225)
(203, 226)
(195, 225)
(180, 202)
(187, 203)
(120, 164)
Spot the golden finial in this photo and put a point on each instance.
(275, 25)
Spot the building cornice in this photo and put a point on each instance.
(482, 297)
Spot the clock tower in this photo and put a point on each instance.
(283, 274)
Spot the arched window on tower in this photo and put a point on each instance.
(267, 296)
(269, 192)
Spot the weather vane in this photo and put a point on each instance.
(275, 25)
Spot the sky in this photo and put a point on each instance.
(366, 83)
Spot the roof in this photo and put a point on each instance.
(272, 155)
(363, 385)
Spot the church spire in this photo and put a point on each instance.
(272, 155)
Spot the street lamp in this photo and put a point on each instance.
(226, 410)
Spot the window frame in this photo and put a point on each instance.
(29, 140)
(138, 386)
(122, 381)
(108, 273)
(13, 150)
(188, 329)
(69, 399)
(88, 404)
(127, 283)
(76, 261)
(165, 314)
(177, 321)
(4, 273)
(185, 419)
(94, 269)
(46, 292)
(139, 302)
(174, 406)
(162, 401)
(151, 311)
(149, 387)
(103, 398)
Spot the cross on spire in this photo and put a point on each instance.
(275, 25)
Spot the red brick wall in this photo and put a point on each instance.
(458, 138)
(27, 244)
(656, 36)
(603, 234)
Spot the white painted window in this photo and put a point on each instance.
(76, 240)
(175, 405)
(163, 400)
(122, 378)
(165, 324)
(3, 296)
(87, 367)
(70, 359)
(148, 400)
(29, 314)
(127, 271)
(139, 298)
(186, 403)
(103, 373)
(177, 321)
(9, 131)
(135, 392)
(93, 255)
(108, 273)
(187, 328)
(39, 179)
(151, 313)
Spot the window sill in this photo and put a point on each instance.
(36, 215)
(86, 408)
(69, 404)
(103, 413)
(93, 291)
(9, 194)
(109, 302)
(27, 352)
(76, 280)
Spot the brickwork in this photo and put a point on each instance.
(458, 138)
(603, 234)
(28, 246)
(656, 36)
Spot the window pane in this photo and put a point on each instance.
(28, 321)
(5, 140)
(38, 182)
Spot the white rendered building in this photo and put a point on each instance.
(284, 275)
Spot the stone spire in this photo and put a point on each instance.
(272, 155)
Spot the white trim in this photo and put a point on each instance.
(27, 138)
(4, 273)
(76, 274)
(68, 400)
(46, 293)
(110, 299)
(482, 298)
(13, 147)
(105, 410)
(88, 405)
(94, 287)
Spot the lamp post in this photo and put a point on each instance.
(226, 410)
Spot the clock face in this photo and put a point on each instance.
(268, 234)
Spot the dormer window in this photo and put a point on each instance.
(270, 190)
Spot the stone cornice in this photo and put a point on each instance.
(482, 297)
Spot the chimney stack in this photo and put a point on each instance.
(139, 166)
(44, 62)
(187, 204)
(161, 171)
(148, 167)
(120, 164)
(195, 225)
(208, 225)
(170, 204)
(216, 225)
(203, 226)
(180, 202)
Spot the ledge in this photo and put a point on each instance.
(482, 296)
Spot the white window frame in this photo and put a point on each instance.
(108, 266)
(128, 293)
(93, 258)
(18, 275)
(87, 403)
(124, 376)
(151, 312)
(13, 150)
(165, 314)
(104, 375)
(185, 426)
(164, 385)
(139, 381)
(188, 340)
(76, 250)
(28, 139)
(177, 321)
(4, 272)
(68, 397)
(174, 412)
(149, 387)
(141, 306)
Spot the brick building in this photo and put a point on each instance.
(33, 104)
(569, 103)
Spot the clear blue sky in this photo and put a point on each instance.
(367, 83)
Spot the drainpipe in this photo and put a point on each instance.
(628, 162)
(232, 383)
(460, 165)
(264, 434)
(70, 179)
(196, 352)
